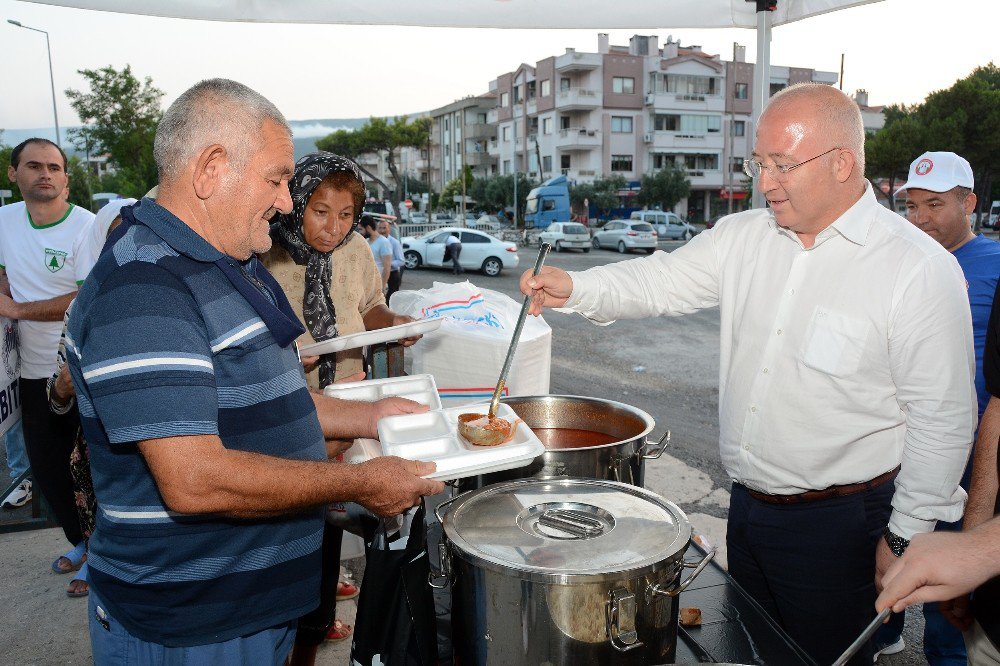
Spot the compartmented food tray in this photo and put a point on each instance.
(365, 338)
(419, 388)
(433, 436)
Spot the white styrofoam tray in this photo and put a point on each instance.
(433, 436)
(419, 388)
(365, 338)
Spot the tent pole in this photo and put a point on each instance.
(761, 75)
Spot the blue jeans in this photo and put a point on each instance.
(112, 645)
(17, 458)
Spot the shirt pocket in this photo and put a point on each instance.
(835, 342)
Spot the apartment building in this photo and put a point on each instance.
(629, 110)
(461, 134)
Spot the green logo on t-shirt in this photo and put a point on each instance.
(54, 259)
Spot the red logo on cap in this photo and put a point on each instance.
(923, 167)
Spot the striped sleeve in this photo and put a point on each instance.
(146, 358)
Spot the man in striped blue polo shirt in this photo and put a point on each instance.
(206, 446)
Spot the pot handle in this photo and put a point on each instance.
(437, 509)
(445, 573)
(661, 447)
(677, 588)
(620, 620)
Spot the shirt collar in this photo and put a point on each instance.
(854, 224)
(175, 232)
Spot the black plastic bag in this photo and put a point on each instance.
(395, 624)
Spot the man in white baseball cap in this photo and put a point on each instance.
(939, 200)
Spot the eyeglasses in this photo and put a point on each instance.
(753, 168)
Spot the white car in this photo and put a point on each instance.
(566, 235)
(480, 251)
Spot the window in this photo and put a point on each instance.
(517, 94)
(547, 163)
(481, 118)
(564, 122)
(701, 162)
(564, 83)
(623, 85)
(664, 122)
(546, 126)
(739, 129)
(546, 87)
(469, 237)
(621, 162)
(621, 124)
(687, 124)
(504, 99)
(440, 238)
(742, 91)
(688, 86)
(714, 123)
(505, 132)
(506, 167)
(564, 161)
(778, 87)
(548, 204)
(737, 165)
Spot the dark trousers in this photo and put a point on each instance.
(395, 279)
(48, 440)
(314, 624)
(455, 251)
(811, 566)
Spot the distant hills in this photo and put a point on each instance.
(304, 133)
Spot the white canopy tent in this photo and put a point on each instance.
(520, 14)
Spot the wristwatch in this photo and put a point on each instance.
(896, 543)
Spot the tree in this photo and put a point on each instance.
(602, 194)
(889, 151)
(382, 137)
(453, 188)
(6, 183)
(665, 187)
(120, 115)
(497, 192)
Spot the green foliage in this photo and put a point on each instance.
(79, 183)
(120, 115)
(6, 183)
(602, 194)
(382, 137)
(453, 188)
(497, 192)
(964, 119)
(665, 187)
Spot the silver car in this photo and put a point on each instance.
(625, 236)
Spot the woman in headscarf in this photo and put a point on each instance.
(62, 397)
(325, 267)
(329, 275)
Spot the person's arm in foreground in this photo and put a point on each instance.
(681, 282)
(932, 364)
(942, 565)
(50, 309)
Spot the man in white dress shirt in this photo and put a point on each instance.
(846, 364)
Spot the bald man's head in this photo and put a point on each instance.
(828, 112)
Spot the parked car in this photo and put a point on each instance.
(666, 224)
(625, 235)
(443, 218)
(565, 235)
(418, 218)
(480, 251)
(487, 223)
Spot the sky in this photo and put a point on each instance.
(898, 50)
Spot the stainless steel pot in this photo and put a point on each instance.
(564, 571)
(621, 460)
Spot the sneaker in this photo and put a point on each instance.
(892, 648)
(19, 496)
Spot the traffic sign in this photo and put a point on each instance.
(408, 203)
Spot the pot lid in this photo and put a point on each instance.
(567, 527)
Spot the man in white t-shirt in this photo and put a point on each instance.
(39, 238)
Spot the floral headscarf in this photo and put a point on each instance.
(286, 230)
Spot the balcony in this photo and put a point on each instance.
(579, 174)
(581, 99)
(574, 139)
(480, 159)
(703, 178)
(479, 130)
(685, 101)
(492, 116)
(494, 148)
(662, 139)
(577, 62)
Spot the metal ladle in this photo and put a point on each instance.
(478, 434)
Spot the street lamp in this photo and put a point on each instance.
(52, 80)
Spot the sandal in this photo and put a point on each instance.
(75, 558)
(80, 577)
(346, 591)
(339, 632)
